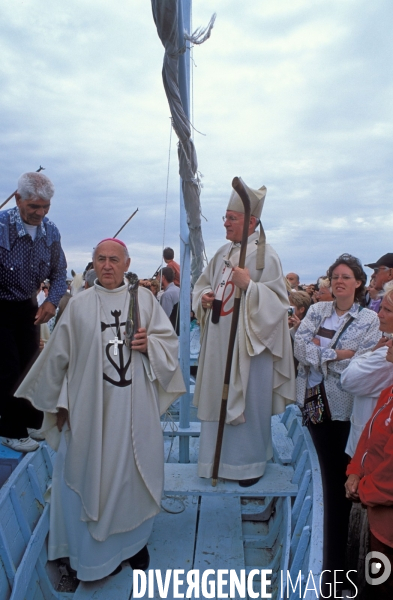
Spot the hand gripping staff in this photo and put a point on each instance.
(238, 186)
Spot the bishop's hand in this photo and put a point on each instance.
(140, 340)
(207, 300)
(241, 278)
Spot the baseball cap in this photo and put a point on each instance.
(386, 260)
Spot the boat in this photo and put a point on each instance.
(269, 534)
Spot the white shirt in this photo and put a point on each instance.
(31, 230)
(365, 378)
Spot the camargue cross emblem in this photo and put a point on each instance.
(122, 367)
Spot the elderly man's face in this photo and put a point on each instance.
(110, 264)
(293, 279)
(233, 223)
(382, 275)
(32, 210)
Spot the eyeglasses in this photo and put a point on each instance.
(230, 218)
(377, 269)
(343, 277)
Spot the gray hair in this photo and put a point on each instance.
(387, 289)
(90, 277)
(324, 282)
(35, 185)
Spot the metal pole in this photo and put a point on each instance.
(124, 224)
(184, 23)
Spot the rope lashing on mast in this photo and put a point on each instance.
(166, 20)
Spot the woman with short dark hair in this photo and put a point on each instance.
(328, 337)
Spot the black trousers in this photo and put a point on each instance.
(330, 439)
(19, 344)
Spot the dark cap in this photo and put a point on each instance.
(385, 261)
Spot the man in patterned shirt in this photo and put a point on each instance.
(30, 251)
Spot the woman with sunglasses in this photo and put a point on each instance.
(329, 336)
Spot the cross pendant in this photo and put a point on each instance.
(116, 343)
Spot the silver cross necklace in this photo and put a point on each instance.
(116, 342)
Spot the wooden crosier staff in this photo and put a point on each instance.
(238, 186)
(13, 194)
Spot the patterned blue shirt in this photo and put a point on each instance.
(24, 263)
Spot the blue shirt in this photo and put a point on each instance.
(24, 263)
(169, 298)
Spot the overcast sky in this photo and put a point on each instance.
(292, 94)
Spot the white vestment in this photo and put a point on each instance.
(262, 376)
(108, 476)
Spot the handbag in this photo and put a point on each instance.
(316, 406)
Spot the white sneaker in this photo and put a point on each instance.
(36, 434)
(22, 445)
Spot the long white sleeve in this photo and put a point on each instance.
(368, 374)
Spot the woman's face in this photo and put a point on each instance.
(323, 295)
(386, 316)
(344, 284)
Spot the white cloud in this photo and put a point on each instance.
(295, 94)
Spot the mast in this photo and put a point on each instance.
(173, 22)
(184, 24)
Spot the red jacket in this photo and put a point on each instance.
(373, 462)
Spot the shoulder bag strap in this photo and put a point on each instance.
(347, 324)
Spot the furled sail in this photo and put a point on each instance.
(165, 13)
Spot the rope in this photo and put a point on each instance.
(167, 185)
(192, 80)
(171, 499)
(166, 193)
(182, 506)
(173, 427)
(201, 34)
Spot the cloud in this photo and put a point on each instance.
(293, 94)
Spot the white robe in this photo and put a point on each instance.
(108, 477)
(262, 376)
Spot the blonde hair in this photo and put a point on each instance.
(154, 284)
(300, 300)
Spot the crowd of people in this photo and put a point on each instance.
(343, 350)
(109, 368)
